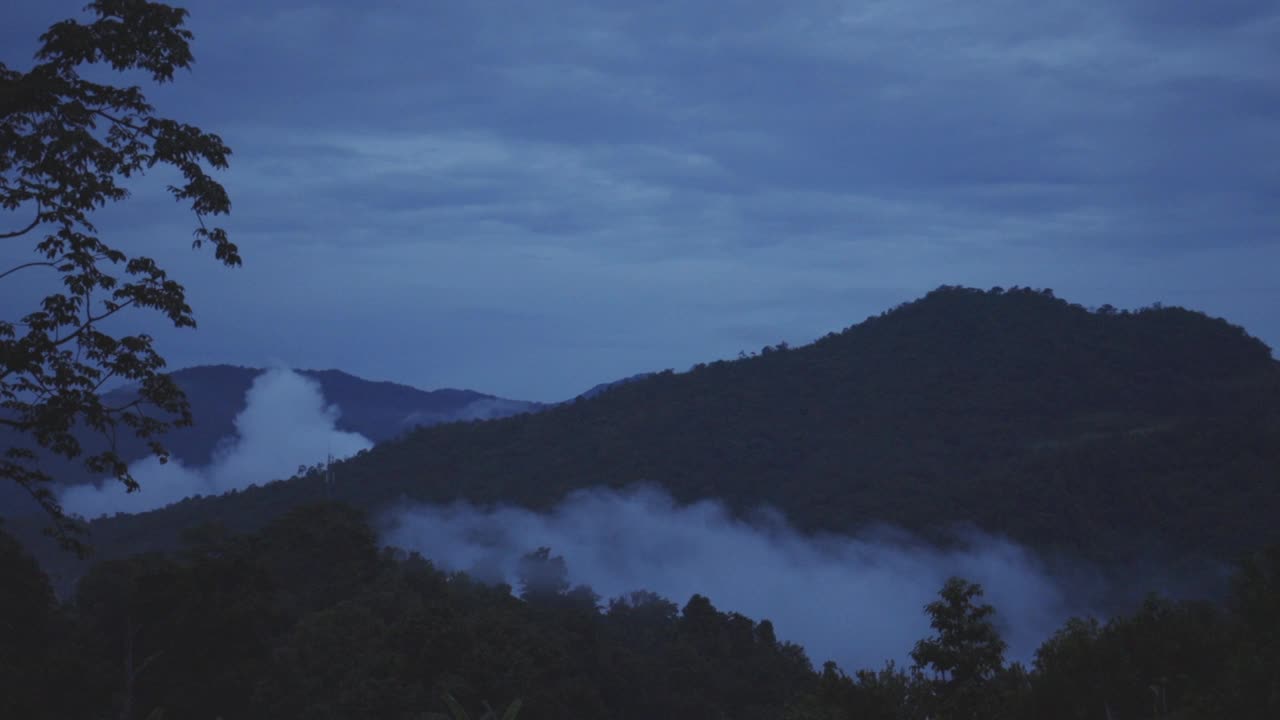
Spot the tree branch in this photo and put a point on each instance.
(24, 266)
(135, 129)
(117, 409)
(25, 230)
(93, 319)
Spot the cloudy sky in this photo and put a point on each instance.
(530, 198)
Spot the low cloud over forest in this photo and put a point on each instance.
(857, 600)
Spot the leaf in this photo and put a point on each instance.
(512, 710)
(456, 707)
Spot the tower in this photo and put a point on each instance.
(328, 476)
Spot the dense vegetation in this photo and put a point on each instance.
(1110, 435)
(309, 618)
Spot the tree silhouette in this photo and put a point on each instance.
(541, 576)
(66, 146)
(965, 655)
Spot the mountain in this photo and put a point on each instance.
(1107, 435)
(379, 411)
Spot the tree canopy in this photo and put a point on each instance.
(309, 617)
(965, 655)
(69, 146)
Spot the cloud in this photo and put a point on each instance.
(285, 423)
(858, 600)
(671, 168)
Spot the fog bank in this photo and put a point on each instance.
(857, 600)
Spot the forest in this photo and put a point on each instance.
(1115, 437)
(310, 618)
(1094, 432)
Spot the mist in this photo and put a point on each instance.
(285, 423)
(490, 408)
(856, 600)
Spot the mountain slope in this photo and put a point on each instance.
(1101, 433)
(607, 386)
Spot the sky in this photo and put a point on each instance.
(528, 199)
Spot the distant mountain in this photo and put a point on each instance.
(1100, 434)
(378, 410)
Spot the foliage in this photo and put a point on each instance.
(223, 628)
(457, 712)
(37, 640)
(965, 656)
(68, 147)
(308, 619)
(542, 576)
(1253, 668)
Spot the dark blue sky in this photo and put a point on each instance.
(530, 198)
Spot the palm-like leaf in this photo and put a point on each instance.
(457, 712)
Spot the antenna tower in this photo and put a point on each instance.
(328, 476)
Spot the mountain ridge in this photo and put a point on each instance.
(1069, 430)
(378, 410)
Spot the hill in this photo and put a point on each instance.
(380, 411)
(1103, 434)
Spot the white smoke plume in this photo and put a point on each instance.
(856, 600)
(285, 423)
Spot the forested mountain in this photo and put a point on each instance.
(1091, 432)
(1102, 433)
